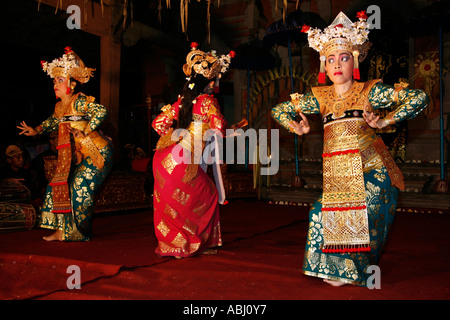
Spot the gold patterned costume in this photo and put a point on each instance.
(186, 207)
(349, 222)
(359, 173)
(186, 201)
(83, 161)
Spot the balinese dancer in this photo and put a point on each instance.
(185, 199)
(84, 154)
(349, 223)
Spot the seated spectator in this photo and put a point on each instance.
(14, 171)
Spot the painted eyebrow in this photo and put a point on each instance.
(342, 54)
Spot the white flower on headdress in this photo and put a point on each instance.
(69, 66)
(191, 86)
(63, 62)
(342, 27)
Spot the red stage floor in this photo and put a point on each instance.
(260, 260)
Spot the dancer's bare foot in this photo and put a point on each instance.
(210, 251)
(334, 283)
(56, 236)
(207, 252)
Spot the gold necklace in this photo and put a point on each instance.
(342, 95)
(66, 107)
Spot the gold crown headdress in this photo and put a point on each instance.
(341, 34)
(206, 64)
(68, 66)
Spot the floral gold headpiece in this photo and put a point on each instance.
(68, 66)
(207, 64)
(341, 34)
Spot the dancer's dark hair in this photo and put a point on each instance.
(192, 88)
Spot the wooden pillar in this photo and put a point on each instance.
(110, 84)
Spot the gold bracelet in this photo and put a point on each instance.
(399, 87)
(386, 123)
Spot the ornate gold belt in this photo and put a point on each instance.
(344, 210)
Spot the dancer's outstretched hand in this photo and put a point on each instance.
(373, 120)
(26, 129)
(301, 127)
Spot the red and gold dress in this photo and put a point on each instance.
(186, 208)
